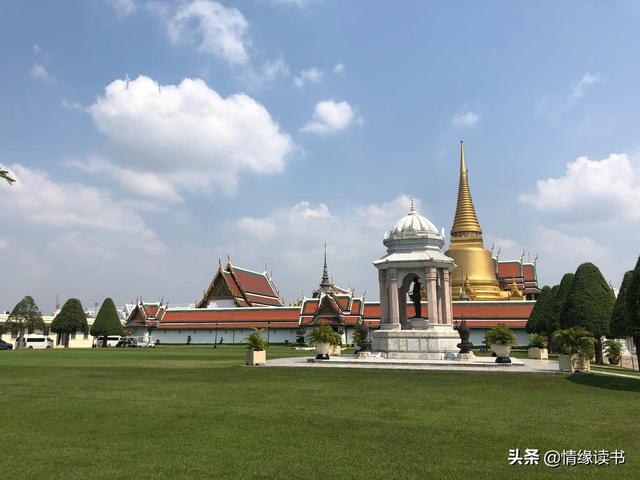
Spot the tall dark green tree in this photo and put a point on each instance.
(633, 307)
(620, 322)
(589, 304)
(24, 317)
(537, 322)
(107, 321)
(560, 300)
(70, 319)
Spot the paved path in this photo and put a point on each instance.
(484, 364)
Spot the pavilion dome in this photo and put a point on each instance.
(413, 225)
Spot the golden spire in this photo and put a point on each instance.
(465, 219)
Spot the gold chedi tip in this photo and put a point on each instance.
(466, 219)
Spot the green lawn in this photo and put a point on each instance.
(178, 412)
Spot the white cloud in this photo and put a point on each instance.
(145, 184)
(353, 235)
(188, 134)
(3, 243)
(36, 199)
(553, 107)
(329, 117)
(310, 75)
(39, 72)
(290, 3)
(262, 229)
(216, 29)
(275, 69)
(591, 191)
(561, 252)
(123, 7)
(585, 83)
(338, 69)
(468, 119)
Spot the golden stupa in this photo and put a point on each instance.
(474, 277)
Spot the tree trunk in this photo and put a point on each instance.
(636, 341)
(598, 349)
(66, 340)
(20, 340)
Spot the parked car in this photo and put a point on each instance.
(5, 345)
(126, 342)
(111, 341)
(145, 342)
(38, 342)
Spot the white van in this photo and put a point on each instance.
(112, 341)
(37, 342)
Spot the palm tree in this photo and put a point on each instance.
(5, 176)
(574, 340)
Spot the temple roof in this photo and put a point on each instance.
(246, 288)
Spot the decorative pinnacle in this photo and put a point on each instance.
(465, 219)
(325, 272)
(413, 206)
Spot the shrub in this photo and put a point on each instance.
(574, 340)
(612, 348)
(538, 341)
(255, 341)
(107, 321)
(324, 334)
(500, 335)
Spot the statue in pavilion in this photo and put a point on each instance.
(416, 297)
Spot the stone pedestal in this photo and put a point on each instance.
(465, 357)
(429, 344)
(418, 324)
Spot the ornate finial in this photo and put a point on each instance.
(413, 206)
(219, 262)
(325, 284)
(465, 219)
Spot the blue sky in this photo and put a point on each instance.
(305, 122)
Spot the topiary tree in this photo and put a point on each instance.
(589, 304)
(24, 317)
(559, 302)
(70, 319)
(633, 307)
(107, 321)
(538, 319)
(620, 321)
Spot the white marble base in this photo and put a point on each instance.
(465, 357)
(430, 344)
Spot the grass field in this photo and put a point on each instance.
(178, 412)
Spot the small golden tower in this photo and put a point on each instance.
(467, 248)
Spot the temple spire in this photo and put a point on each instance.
(325, 284)
(465, 219)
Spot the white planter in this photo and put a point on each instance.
(323, 350)
(257, 357)
(565, 363)
(538, 353)
(501, 350)
(582, 364)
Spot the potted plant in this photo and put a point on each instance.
(324, 337)
(575, 348)
(500, 338)
(538, 347)
(613, 350)
(257, 346)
